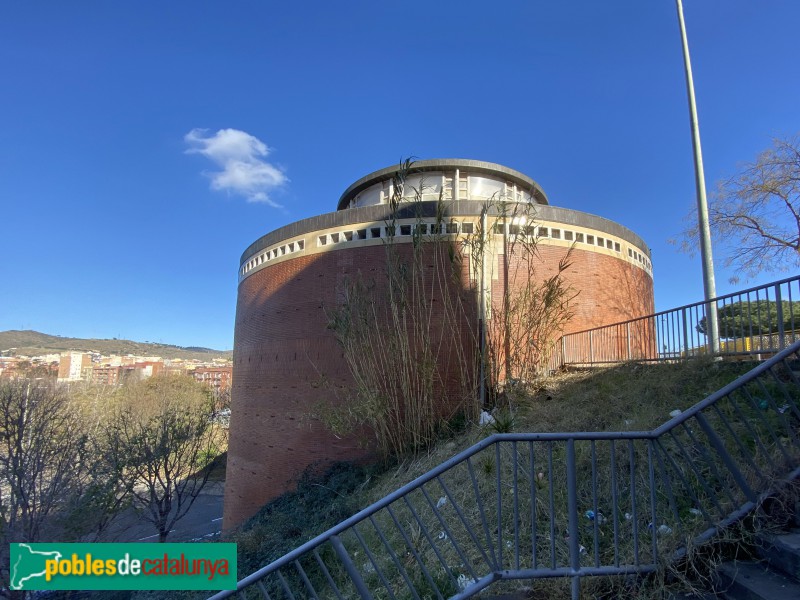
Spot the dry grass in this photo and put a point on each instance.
(625, 398)
(472, 509)
(629, 397)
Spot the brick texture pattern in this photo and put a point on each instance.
(287, 362)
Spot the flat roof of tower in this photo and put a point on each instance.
(446, 164)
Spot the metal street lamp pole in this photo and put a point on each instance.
(709, 285)
(482, 311)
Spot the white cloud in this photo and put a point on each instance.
(241, 157)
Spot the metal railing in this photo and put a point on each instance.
(756, 322)
(543, 505)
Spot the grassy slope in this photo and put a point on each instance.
(629, 397)
(32, 343)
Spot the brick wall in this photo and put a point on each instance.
(287, 362)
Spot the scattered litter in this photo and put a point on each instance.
(582, 549)
(592, 516)
(442, 535)
(662, 529)
(628, 422)
(540, 476)
(464, 582)
(508, 544)
(442, 501)
(485, 418)
(783, 408)
(763, 405)
(675, 412)
(628, 516)
(696, 512)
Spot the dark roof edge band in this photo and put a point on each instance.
(380, 213)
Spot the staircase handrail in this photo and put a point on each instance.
(726, 452)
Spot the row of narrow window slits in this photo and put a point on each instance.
(272, 254)
(452, 227)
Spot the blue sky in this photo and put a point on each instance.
(124, 214)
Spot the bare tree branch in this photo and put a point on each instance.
(755, 215)
(163, 441)
(41, 462)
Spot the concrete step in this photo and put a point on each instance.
(781, 552)
(747, 580)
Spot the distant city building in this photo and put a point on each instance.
(74, 366)
(8, 367)
(47, 358)
(37, 367)
(175, 367)
(217, 378)
(148, 368)
(106, 375)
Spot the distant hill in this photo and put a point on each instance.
(32, 343)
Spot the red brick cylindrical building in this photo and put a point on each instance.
(289, 279)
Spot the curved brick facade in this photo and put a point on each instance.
(283, 350)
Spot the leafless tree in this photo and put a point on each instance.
(42, 450)
(163, 440)
(755, 215)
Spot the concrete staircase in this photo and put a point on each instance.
(773, 575)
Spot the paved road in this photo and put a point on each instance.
(203, 521)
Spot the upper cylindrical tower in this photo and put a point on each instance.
(444, 179)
